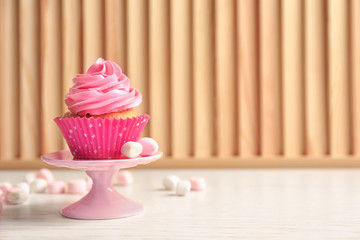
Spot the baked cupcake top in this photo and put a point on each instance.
(102, 89)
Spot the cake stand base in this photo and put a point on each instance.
(103, 201)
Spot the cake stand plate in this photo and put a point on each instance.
(102, 201)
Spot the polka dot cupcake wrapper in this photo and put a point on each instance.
(97, 138)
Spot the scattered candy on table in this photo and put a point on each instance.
(183, 188)
(23, 185)
(16, 195)
(198, 183)
(45, 174)
(131, 149)
(38, 185)
(124, 178)
(170, 182)
(149, 146)
(56, 187)
(76, 186)
(5, 186)
(29, 177)
(43, 180)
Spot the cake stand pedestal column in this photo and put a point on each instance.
(103, 201)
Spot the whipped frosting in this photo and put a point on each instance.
(103, 89)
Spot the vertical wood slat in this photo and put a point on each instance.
(225, 78)
(315, 77)
(115, 27)
(9, 82)
(181, 76)
(51, 87)
(29, 79)
(137, 54)
(355, 74)
(71, 44)
(159, 84)
(93, 31)
(292, 78)
(271, 140)
(203, 65)
(248, 77)
(339, 78)
(2, 32)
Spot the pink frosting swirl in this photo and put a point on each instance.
(103, 89)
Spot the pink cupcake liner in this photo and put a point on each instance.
(97, 138)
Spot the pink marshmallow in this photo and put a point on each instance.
(198, 183)
(2, 196)
(124, 178)
(45, 174)
(150, 146)
(89, 183)
(5, 187)
(56, 187)
(76, 186)
(1, 207)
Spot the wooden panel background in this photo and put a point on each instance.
(228, 83)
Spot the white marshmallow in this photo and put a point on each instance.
(131, 149)
(23, 185)
(170, 182)
(17, 196)
(29, 177)
(38, 185)
(183, 188)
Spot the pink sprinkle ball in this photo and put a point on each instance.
(150, 146)
(56, 187)
(76, 186)
(198, 183)
(125, 178)
(45, 174)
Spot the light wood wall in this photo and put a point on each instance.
(227, 82)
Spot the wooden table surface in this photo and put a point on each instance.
(239, 204)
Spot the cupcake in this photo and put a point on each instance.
(102, 113)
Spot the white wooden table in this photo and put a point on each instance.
(239, 204)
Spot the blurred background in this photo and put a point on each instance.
(228, 83)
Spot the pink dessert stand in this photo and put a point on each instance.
(102, 201)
